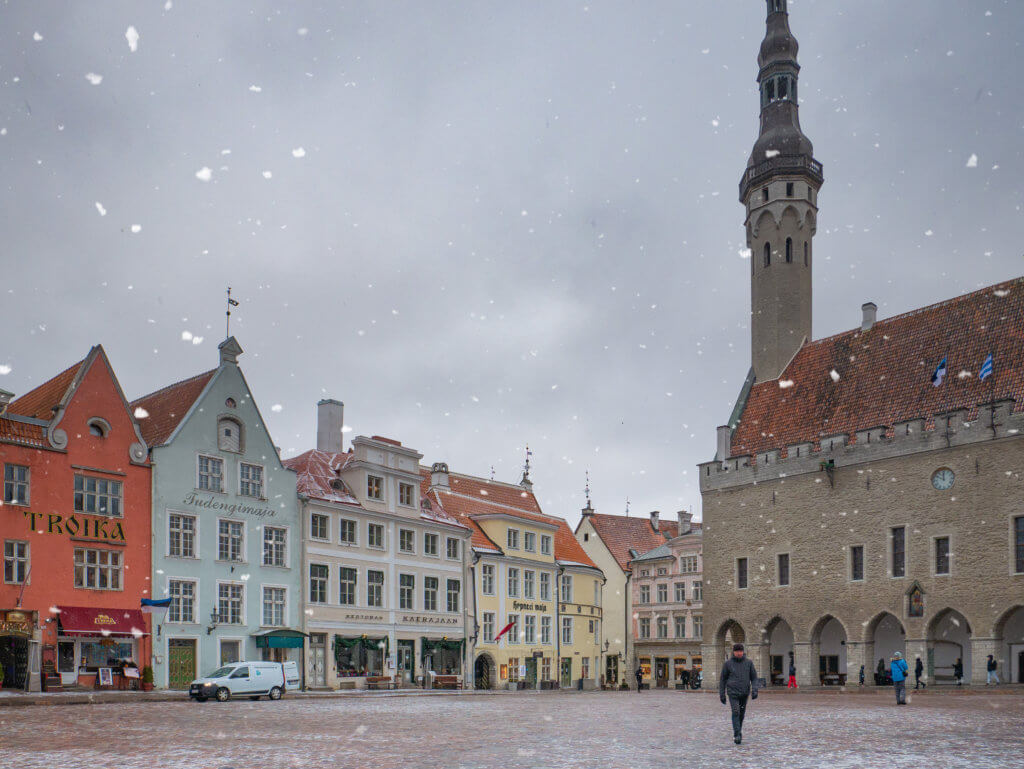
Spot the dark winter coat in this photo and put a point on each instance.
(918, 668)
(738, 678)
(991, 665)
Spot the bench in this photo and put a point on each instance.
(380, 682)
(447, 682)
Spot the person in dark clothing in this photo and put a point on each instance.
(684, 677)
(792, 675)
(958, 671)
(880, 672)
(639, 678)
(738, 680)
(918, 672)
(861, 675)
(990, 669)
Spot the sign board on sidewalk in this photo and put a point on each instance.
(106, 677)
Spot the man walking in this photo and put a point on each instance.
(792, 675)
(739, 681)
(918, 672)
(639, 678)
(898, 670)
(990, 667)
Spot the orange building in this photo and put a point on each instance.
(75, 527)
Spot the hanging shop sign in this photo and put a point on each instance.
(528, 606)
(16, 622)
(81, 526)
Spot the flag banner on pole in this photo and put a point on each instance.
(503, 631)
(986, 368)
(940, 372)
(155, 605)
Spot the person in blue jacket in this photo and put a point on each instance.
(899, 670)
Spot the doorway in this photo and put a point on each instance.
(611, 670)
(318, 660)
(531, 673)
(566, 672)
(181, 662)
(407, 661)
(66, 663)
(661, 672)
(14, 661)
(483, 672)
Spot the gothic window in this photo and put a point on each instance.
(767, 254)
(789, 250)
(769, 90)
(783, 87)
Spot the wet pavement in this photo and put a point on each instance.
(610, 730)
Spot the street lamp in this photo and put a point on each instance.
(214, 620)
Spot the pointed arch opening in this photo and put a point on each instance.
(789, 250)
(778, 651)
(828, 646)
(766, 256)
(948, 637)
(884, 635)
(1009, 634)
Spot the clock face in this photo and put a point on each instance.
(943, 479)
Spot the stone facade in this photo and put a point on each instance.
(801, 507)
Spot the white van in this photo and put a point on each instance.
(240, 679)
(292, 683)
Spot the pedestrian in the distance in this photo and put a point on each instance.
(861, 675)
(993, 676)
(739, 681)
(639, 678)
(792, 675)
(684, 676)
(898, 670)
(958, 671)
(918, 673)
(880, 672)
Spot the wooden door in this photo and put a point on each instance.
(181, 662)
(318, 661)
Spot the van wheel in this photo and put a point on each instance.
(275, 693)
(223, 695)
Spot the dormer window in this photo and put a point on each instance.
(229, 435)
(374, 487)
(405, 494)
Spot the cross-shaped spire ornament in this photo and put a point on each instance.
(227, 322)
(586, 489)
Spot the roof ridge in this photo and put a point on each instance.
(916, 311)
(498, 504)
(172, 386)
(487, 480)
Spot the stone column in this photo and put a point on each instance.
(711, 664)
(980, 649)
(854, 659)
(806, 659)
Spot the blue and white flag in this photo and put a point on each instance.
(986, 368)
(940, 372)
(155, 605)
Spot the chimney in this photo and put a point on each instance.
(5, 398)
(330, 418)
(654, 520)
(724, 443)
(684, 522)
(869, 311)
(439, 475)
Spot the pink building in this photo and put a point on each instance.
(668, 616)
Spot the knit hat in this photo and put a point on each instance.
(737, 647)
(897, 656)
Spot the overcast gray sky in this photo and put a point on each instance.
(483, 224)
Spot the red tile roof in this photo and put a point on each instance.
(40, 402)
(857, 380)
(15, 431)
(317, 473)
(469, 496)
(167, 407)
(621, 533)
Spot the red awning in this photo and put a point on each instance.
(81, 620)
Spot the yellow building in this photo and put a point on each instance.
(538, 594)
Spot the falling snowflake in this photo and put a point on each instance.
(204, 174)
(136, 228)
(101, 209)
(972, 161)
(267, 174)
(141, 413)
(36, 36)
(277, 408)
(785, 383)
(771, 153)
(256, 88)
(4, 369)
(132, 36)
(93, 78)
(186, 336)
(299, 152)
(834, 374)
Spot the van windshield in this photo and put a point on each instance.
(220, 672)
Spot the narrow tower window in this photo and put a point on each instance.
(789, 250)
(783, 87)
(767, 254)
(769, 90)
(805, 253)
(764, 194)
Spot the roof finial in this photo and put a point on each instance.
(492, 472)
(586, 489)
(227, 322)
(627, 507)
(526, 482)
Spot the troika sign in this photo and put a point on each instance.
(86, 527)
(209, 503)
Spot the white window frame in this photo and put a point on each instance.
(447, 549)
(379, 487)
(529, 542)
(545, 630)
(87, 476)
(411, 593)
(437, 544)
(697, 590)
(355, 531)
(448, 595)
(512, 538)
(97, 566)
(326, 580)
(243, 621)
(545, 544)
(263, 480)
(223, 473)
(241, 433)
(402, 486)
(245, 541)
(327, 518)
(287, 547)
(16, 559)
(513, 632)
(383, 536)
(195, 599)
(677, 621)
(564, 595)
(512, 581)
(487, 626)
(342, 568)
(382, 586)
(196, 540)
(427, 591)
(413, 540)
(545, 586)
(529, 629)
(488, 575)
(529, 584)
(567, 626)
(263, 604)
(16, 483)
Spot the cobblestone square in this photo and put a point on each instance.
(551, 730)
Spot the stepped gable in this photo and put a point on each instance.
(168, 406)
(621, 533)
(883, 375)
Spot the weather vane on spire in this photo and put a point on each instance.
(526, 469)
(227, 322)
(627, 507)
(586, 489)
(492, 472)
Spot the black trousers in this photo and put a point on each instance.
(738, 703)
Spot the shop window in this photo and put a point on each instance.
(230, 652)
(359, 656)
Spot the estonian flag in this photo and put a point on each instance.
(986, 368)
(155, 605)
(940, 372)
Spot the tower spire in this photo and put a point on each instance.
(779, 190)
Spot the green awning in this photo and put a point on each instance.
(280, 639)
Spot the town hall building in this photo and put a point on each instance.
(865, 496)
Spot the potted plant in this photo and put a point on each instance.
(147, 679)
